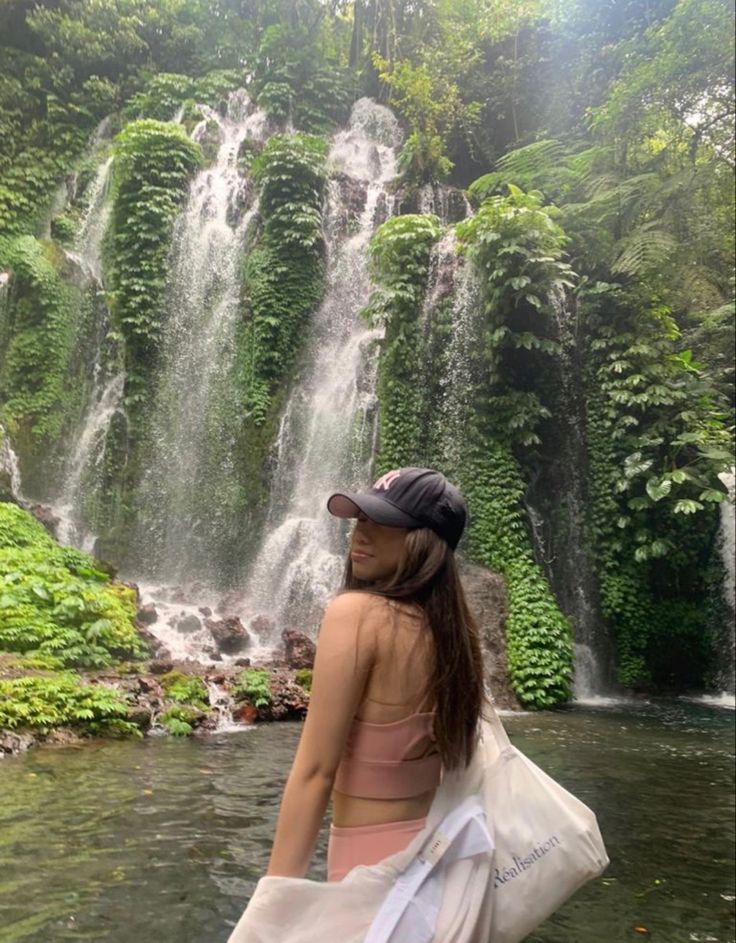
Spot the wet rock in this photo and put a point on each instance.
(230, 634)
(178, 595)
(151, 686)
(299, 649)
(12, 743)
(62, 737)
(147, 614)
(140, 715)
(46, 517)
(160, 666)
(213, 654)
(189, 623)
(206, 611)
(245, 714)
(288, 699)
(486, 595)
(242, 662)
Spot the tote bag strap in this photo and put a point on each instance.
(498, 729)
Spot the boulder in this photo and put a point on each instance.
(147, 614)
(245, 714)
(486, 595)
(161, 665)
(46, 517)
(230, 634)
(299, 649)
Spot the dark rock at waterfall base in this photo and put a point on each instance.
(288, 699)
(230, 634)
(486, 595)
(299, 649)
(140, 715)
(178, 595)
(159, 666)
(205, 610)
(245, 714)
(147, 614)
(155, 645)
(188, 623)
(46, 517)
(242, 662)
(213, 654)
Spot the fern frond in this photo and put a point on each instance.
(642, 250)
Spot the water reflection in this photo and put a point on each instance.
(164, 840)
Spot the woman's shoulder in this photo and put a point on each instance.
(363, 604)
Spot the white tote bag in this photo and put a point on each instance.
(503, 848)
(547, 842)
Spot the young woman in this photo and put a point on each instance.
(397, 687)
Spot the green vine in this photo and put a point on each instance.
(399, 259)
(153, 162)
(284, 271)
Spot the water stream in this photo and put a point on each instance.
(327, 430)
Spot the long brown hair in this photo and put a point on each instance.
(427, 576)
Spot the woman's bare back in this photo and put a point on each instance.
(393, 691)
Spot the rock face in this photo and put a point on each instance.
(230, 635)
(486, 595)
(299, 649)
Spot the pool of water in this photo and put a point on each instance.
(163, 840)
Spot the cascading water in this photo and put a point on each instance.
(727, 548)
(571, 567)
(181, 519)
(9, 467)
(452, 296)
(84, 450)
(326, 433)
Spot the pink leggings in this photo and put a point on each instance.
(367, 844)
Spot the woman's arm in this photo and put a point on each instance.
(342, 665)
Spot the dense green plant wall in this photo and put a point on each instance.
(153, 162)
(36, 346)
(657, 442)
(516, 248)
(399, 259)
(55, 602)
(524, 245)
(538, 636)
(284, 270)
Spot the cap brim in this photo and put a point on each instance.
(377, 509)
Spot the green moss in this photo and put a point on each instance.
(303, 677)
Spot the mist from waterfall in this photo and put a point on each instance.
(327, 431)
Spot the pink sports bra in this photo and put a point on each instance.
(373, 764)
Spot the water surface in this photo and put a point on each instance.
(163, 840)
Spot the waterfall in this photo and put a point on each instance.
(571, 566)
(727, 549)
(326, 433)
(85, 448)
(190, 449)
(452, 298)
(9, 467)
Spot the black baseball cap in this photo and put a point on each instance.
(408, 497)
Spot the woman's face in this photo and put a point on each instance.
(375, 550)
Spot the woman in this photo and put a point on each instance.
(397, 687)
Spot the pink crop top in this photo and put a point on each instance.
(373, 764)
